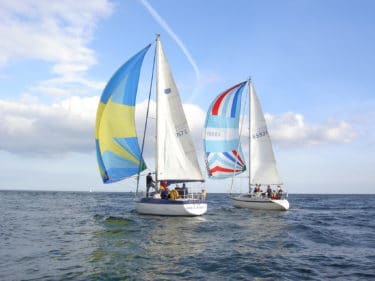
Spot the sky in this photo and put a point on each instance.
(311, 61)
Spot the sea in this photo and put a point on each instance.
(99, 236)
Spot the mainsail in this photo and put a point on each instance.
(176, 158)
(117, 148)
(263, 168)
(224, 157)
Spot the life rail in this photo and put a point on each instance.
(274, 195)
(182, 194)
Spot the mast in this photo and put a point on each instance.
(146, 121)
(157, 39)
(250, 163)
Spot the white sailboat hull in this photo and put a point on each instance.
(259, 203)
(167, 207)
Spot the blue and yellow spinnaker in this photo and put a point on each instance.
(117, 148)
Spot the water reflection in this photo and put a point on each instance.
(253, 242)
(92, 236)
(171, 244)
(228, 241)
(144, 247)
(262, 232)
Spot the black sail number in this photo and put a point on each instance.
(182, 132)
(261, 133)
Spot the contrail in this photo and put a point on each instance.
(166, 27)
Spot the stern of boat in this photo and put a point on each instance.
(194, 205)
(283, 203)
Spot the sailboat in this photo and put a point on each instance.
(119, 153)
(224, 156)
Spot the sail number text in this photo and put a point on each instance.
(213, 134)
(260, 134)
(182, 132)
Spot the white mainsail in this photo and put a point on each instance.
(263, 168)
(176, 156)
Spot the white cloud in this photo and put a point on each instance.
(56, 32)
(30, 128)
(67, 86)
(291, 128)
(49, 130)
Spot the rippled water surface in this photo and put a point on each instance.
(98, 236)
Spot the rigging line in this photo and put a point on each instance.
(145, 127)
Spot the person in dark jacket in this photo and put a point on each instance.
(149, 183)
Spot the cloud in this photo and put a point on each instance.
(67, 86)
(56, 32)
(47, 130)
(30, 128)
(291, 128)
